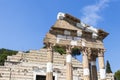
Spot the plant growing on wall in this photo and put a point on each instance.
(59, 49)
(62, 50)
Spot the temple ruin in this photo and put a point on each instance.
(68, 32)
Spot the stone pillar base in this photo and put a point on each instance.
(86, 78)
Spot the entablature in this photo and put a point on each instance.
(69, 30)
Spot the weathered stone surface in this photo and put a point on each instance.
(24, 67)
(36, 64)
(68, 32)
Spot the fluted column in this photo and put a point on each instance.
(86, 72)
(69, 73)
(101, 64)
(49, 70)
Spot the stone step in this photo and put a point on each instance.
(62, 78)
(21, 77)
(4, 68)
(16, 74)
(4, 78)
(36, 57)
(36, 54)
(43, 50)
(57, 59)
(33, 64)
(39, 51)
(36, 61)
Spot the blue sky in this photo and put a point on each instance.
(24, 23)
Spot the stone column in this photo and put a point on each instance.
(86, 72)
(69, 73)
(101, 64)
(49, 70)
(93, 70)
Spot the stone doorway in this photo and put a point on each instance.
(42, 77)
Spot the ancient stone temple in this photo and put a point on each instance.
(68, 33)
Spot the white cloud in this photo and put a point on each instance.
(91, 14)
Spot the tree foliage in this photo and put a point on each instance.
(108, 67)
(117, 75)
(4, 53)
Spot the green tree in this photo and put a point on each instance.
(117, 75)
(4, 53)
(108, 68)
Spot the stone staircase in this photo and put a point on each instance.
(22, 66)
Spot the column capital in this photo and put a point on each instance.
(49, 47)
(101, 52)
(93, 57)
(86, 51)
(68, 49)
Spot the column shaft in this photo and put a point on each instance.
(49, 76)
(101, 65)
(49, 70)
(69, 73)
(86, 71)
